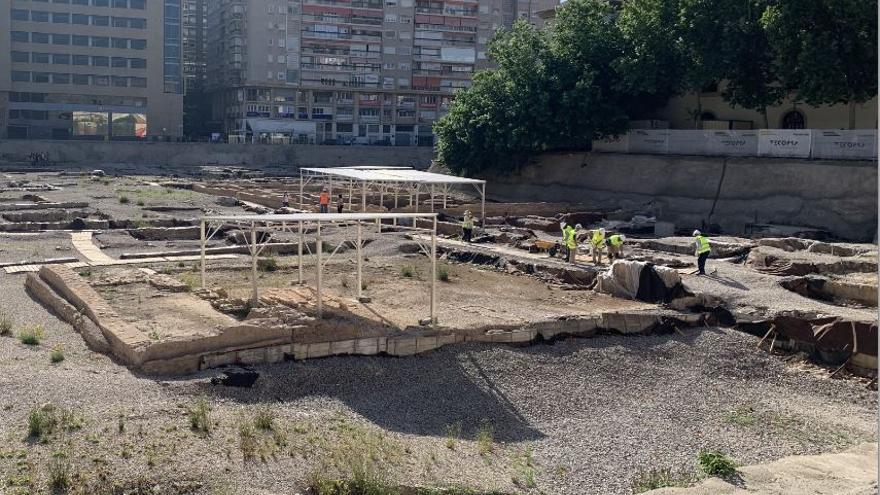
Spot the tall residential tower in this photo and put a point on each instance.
(343, 71)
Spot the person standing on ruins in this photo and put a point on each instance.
(701, 250)
(569, 235)
(340, 204)
(324, 201)
(597, 242)
(285, 201)
(467, 226)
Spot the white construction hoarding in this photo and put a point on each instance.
(784, 143)
(844, 145)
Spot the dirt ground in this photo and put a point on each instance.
(571, 417)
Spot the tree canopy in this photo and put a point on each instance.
(598, 67)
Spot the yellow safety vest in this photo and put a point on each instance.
(703, 244)
(467, 223)
(570, 237)
(615, 240)
(598, 238)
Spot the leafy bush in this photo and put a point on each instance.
(124, 200)
(267, 264)
(716, 464)
(57, 355)
(31, 334)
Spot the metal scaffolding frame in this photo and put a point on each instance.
(389, 180)
(209, 226)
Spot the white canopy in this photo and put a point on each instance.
(392, 174)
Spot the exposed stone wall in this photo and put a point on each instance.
(837, 196)
(90, 155)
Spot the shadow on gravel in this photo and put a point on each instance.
(422, 395)
(428, 393)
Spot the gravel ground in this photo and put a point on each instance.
(591, 413)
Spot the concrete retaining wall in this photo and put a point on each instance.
(91, 155)
(837, 196)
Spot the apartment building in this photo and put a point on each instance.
(90, 69)
(346, 71)
(195, 26)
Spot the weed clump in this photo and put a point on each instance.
(5, 326)
(716, 464)
(408, 271)
(443, 273)
(123, 200)
(31, 335)
(200, 416)
(57, 355)
(267, 264)
(485, 439)
(264, 417)
(59, 472)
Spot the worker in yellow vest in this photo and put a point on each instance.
(615, 246)
(467, 226)
(701, 250)
(597, 241)
(569, 235)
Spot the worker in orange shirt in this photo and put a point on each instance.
(324, 201)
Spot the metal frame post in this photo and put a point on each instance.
(432, 198)
(254, 293)
(433, 319)
(483, 206)
(202, 236)
(359, 263)
(364, 196)
(319, 247)
(396, 191)
(302, 185)
(301, 241)
(350, 194)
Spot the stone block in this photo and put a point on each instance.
(341, 347)
(318, 349)
(252, 356)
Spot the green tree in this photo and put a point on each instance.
(826, 49)
(749, 72)
(652, 62)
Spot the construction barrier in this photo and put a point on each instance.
(848, 145)
(784, 143)
(779, 143)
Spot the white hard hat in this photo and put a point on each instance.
(622, 237)
(562, 224)
(602, 230)
(696, 233)
(578, 226)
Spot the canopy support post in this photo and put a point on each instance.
(319, 247)
(254, 293)
(300, 249)
(202, 236)
(360, 284)
(433, 318)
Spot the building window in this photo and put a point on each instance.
(119, 62)
(101, 61)
(138, 44)
(20, 36)
(137, 4)
(793, 120)
(100, 20)
(81, 19)
(41, 38)
(79, 40)
(40, 58)
(60, 78)
(39, 16)
(21, 76)
(101, 80)
(100, 41)
(137, 23)
(138, 63)
(60, 18)
(80, 60)
(120, 82)
(120, 4)
(20, 56)
(41, 77)
(120, 43)
(171, 47)
(81, 79)
(19, 15)
(101, 3)
(61, 59)
(60, 39)
(138, 82)
(120, 22)
(80, 2)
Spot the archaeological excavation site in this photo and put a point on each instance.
(234, 329)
